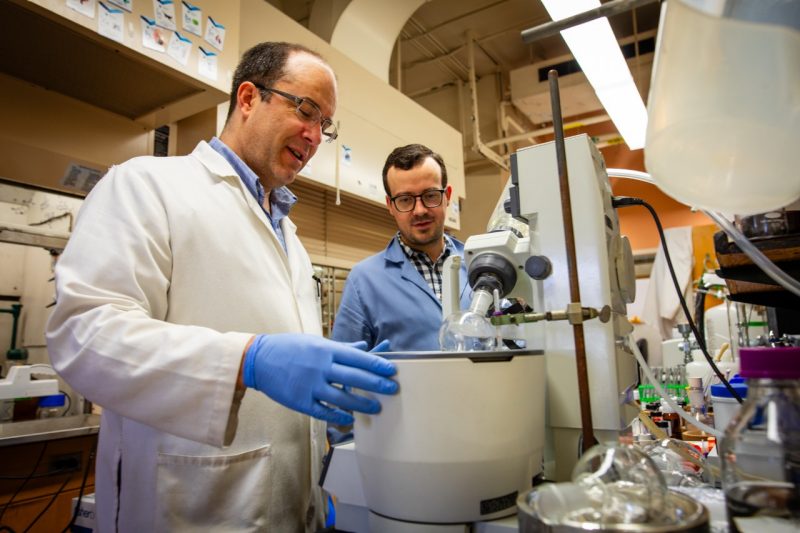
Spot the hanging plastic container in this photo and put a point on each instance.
(761, 448)
(724, 106)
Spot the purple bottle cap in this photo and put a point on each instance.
(775, 363)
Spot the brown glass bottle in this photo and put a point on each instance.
(668, 414)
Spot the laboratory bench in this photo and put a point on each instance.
(42, 469)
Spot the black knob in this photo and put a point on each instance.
(538, 267)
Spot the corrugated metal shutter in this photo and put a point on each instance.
(339, 235)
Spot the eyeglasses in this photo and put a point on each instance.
(307, 111)
(407, 202)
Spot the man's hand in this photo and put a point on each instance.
(314, 375)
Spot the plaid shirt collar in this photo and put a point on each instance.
(411, 253)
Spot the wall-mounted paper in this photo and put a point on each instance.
(215, 34)
(179, 48)
(192, 19)
(152, 35)
(110, 22)
(207, 63)
(85, 7)
(165, 14)
(127, 5)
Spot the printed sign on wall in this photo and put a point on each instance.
(192, 19)
(110, 22)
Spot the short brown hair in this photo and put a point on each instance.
(407, 157)
(265, 63)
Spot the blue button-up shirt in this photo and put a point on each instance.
(280, 201)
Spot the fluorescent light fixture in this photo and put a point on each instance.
(596, 49)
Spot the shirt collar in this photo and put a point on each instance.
(449, 248)
(281, 198)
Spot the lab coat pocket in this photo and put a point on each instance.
(213, 493)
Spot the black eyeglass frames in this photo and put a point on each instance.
(406, 202)
(306, 110)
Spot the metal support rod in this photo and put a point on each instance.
(606, 10)
(572, 264)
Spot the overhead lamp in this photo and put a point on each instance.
(597, 52)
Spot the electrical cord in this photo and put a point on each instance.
(28, 478)
(69, 403)
(627, 202)
(49, 504)
(89, 462)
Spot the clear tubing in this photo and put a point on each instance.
(782, 278)
(683, 414)
(770, 269)
(630, 174)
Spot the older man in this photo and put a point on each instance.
(183, 285)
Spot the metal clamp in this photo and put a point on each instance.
(574, 313)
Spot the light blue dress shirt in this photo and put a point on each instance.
(280, 201)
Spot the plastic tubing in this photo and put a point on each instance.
(683, 414)
(770, 269)
(630, 174)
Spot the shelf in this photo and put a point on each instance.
(42, 48)
(13, 433)
(747, 283)
(32, 236)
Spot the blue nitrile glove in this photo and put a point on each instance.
(299, 371)
(381, 347)
(338, 433)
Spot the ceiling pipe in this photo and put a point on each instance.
(545, 131)
(446, 65)
(477, 145)
(480, 40)
(609, 9)
(399, 65)
(454, 19)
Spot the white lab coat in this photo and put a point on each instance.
(662, 307)
(171, 267)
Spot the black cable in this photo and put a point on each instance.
(69, 402)
(49, 504)
(89, 462)
(4, 529)
(28, 478)
(626, 202)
